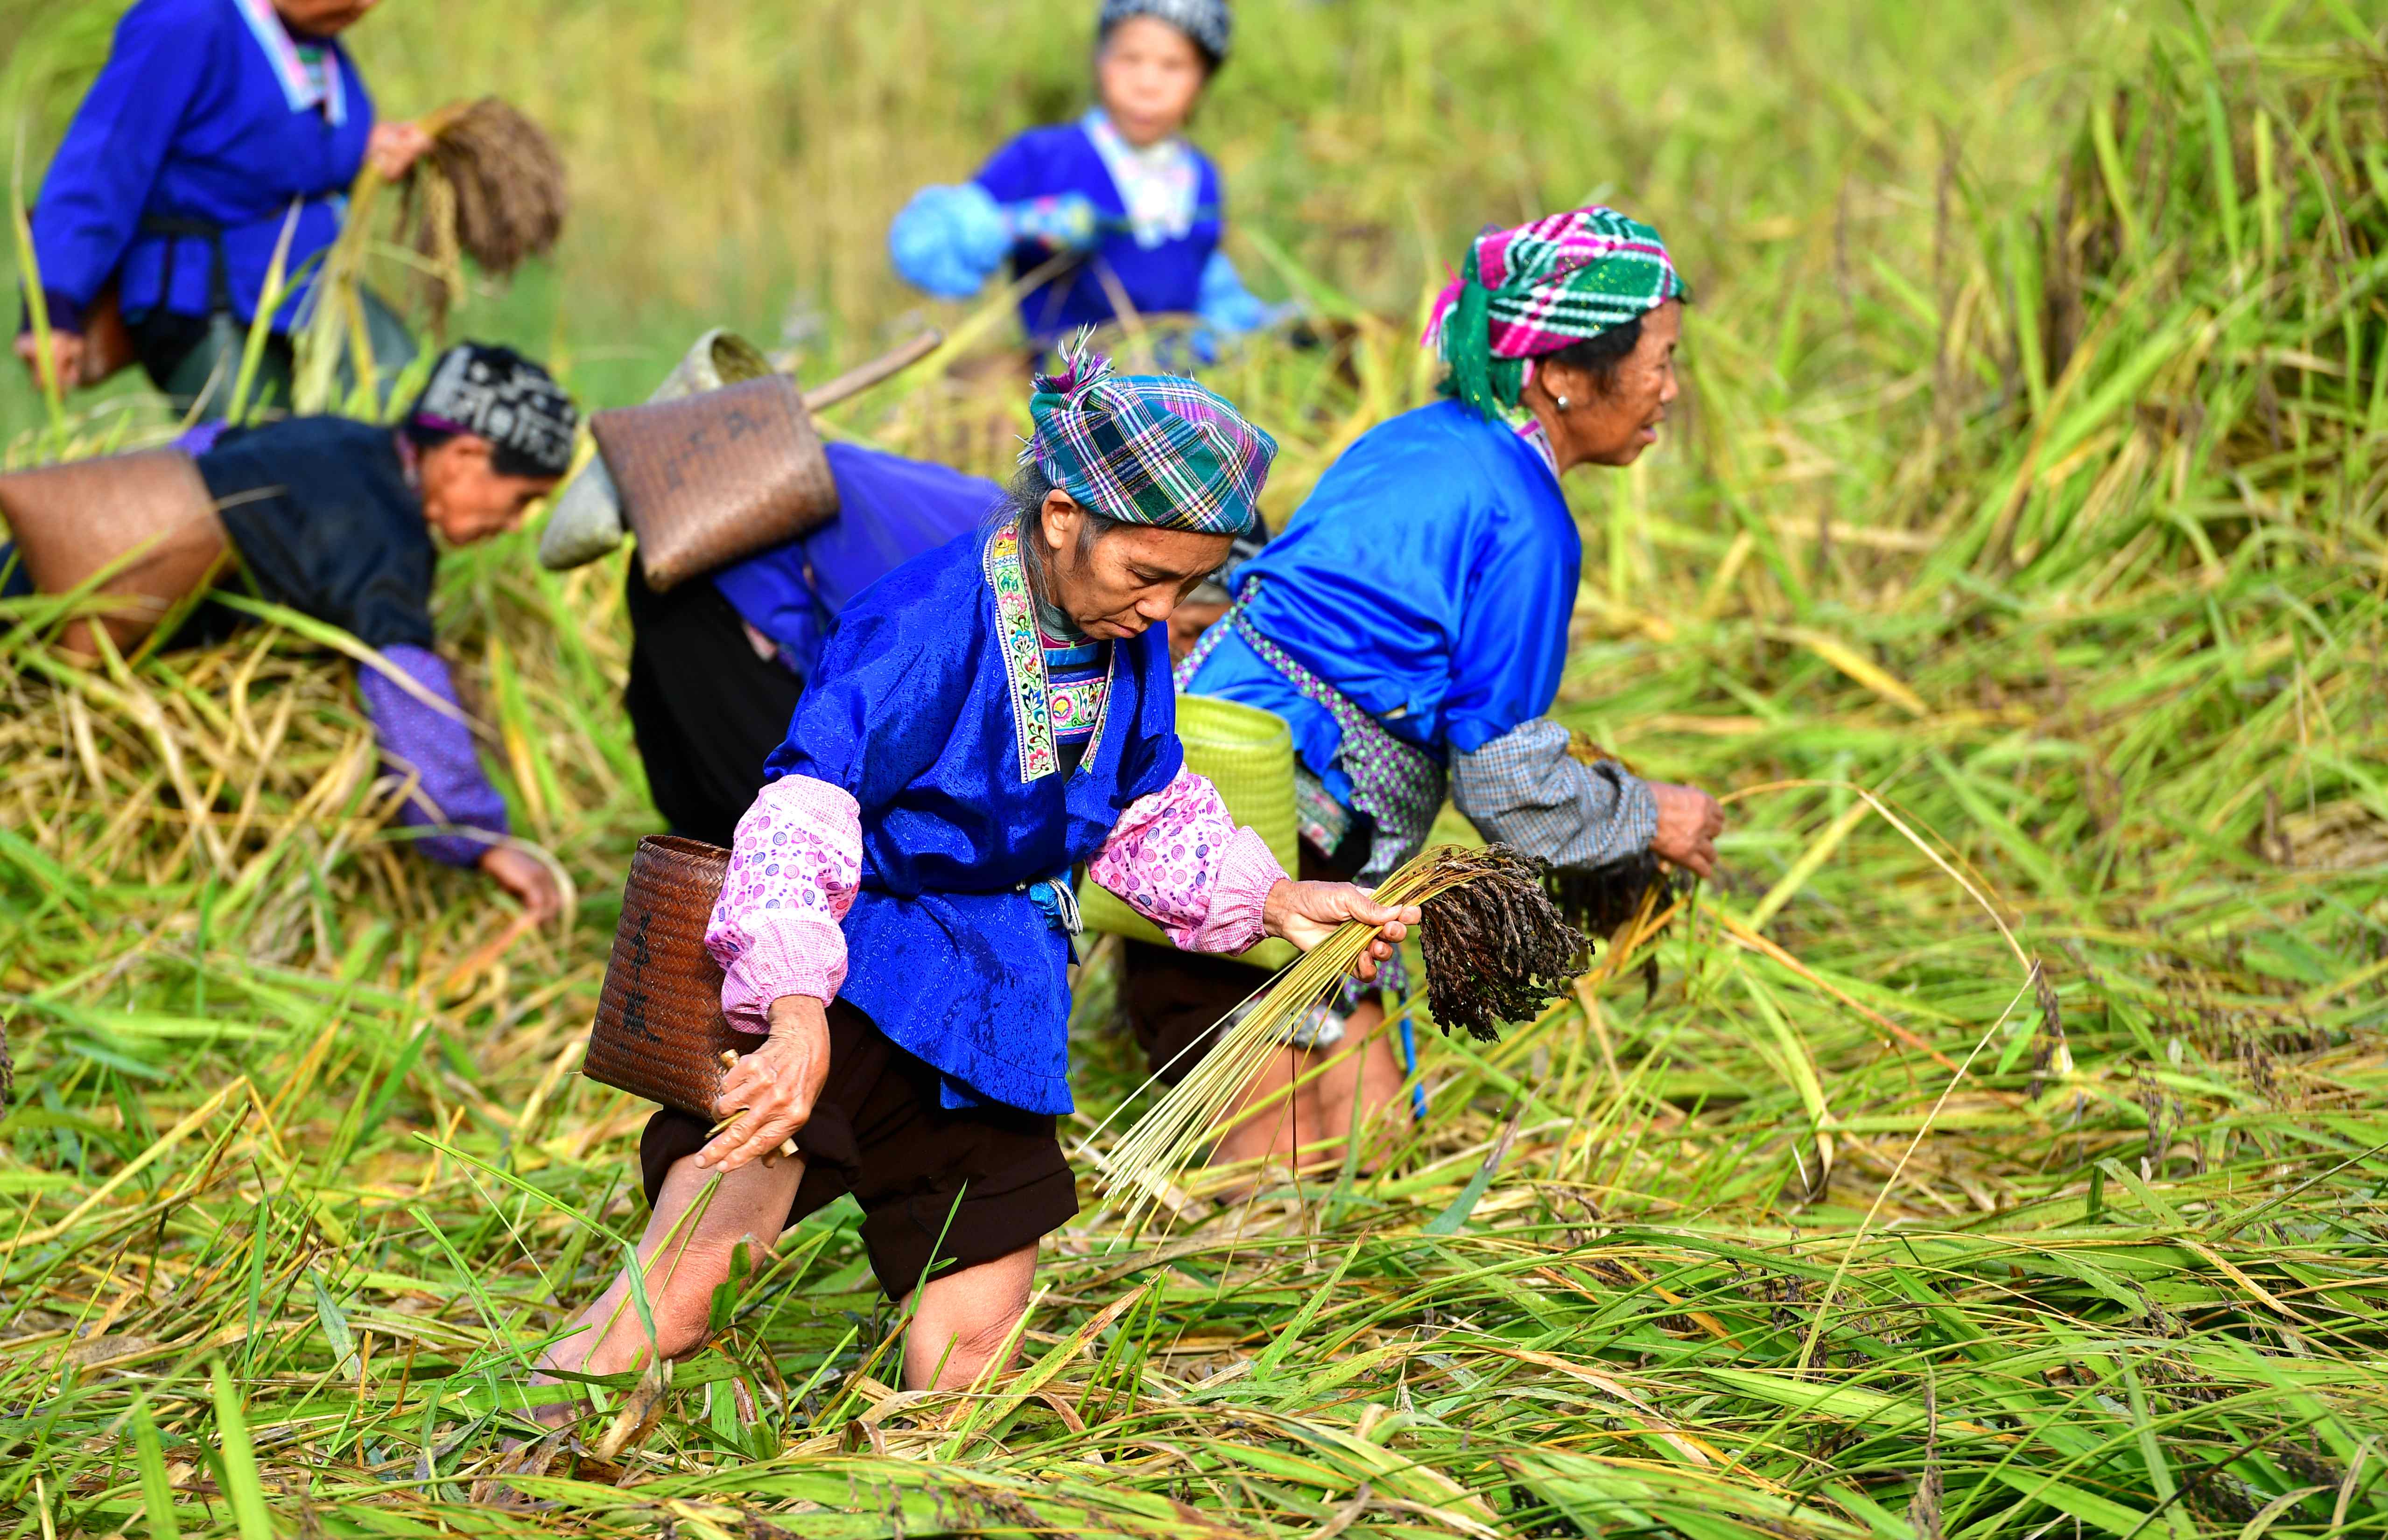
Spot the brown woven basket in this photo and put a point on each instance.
(73, 520)
(713, 478)
(660, 1032)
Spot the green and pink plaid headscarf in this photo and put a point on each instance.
(1537, 288)
(1147, 449)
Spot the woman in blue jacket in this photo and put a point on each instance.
(1120, 189)
(1411, 622)
(213, 123)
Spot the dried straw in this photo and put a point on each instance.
(492, 188)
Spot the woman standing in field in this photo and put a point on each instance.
(1411, 622)
(897, 910)
(1120, 189)
(213, 124)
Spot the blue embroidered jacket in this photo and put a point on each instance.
(930, 708)
(190, 121)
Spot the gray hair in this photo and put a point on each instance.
(1024, 508)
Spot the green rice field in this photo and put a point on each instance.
(1998, 1148)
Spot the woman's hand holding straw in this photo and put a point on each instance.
(1307, 913)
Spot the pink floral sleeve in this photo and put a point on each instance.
(1181, 861)
(793, 875)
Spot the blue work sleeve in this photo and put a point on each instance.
(1512, 640)
(949, 239)
(99, 181)
(450, 791)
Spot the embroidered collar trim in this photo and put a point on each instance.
(1023, 665)
(1023, 654)
(303, 88)
(1157, 184)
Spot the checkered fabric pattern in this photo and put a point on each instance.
(1524, 789)
(1147, 449)
(1535, 289)
(1209, 22)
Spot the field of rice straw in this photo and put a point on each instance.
(2000, 1148)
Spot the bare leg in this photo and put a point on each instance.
(1365, 1072)
(609, 1337)
(964, 1319)
(1263, 1121)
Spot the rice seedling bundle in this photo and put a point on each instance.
(1496, 951)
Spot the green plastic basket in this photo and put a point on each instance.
(1247, 754)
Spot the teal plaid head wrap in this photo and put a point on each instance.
(1147, 449)
(1535, 289)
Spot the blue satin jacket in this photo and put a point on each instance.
(929, 709)
(190, 121)
(1430, 576)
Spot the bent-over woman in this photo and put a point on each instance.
(212, 124)
(342, 521)
(896, 922)
(1411, 621)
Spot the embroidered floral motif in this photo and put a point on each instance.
(1023, 655)
(1077, 707)
(793, 871)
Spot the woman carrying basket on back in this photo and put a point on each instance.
(1120, 190)
(898, 912)
(1410, 624)
(213, 125)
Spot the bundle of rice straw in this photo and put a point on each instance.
(1496, 951)
(491, 188)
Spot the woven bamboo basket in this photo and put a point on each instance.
(659, 1031)
(585, 521)
(143, 520)
(1247, 754)
(714, 477)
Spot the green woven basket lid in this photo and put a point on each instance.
(1247, 754)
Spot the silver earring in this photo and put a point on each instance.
(1563, 403)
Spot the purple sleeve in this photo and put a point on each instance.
(438, 749)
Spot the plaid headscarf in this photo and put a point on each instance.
(1147, 449)
(497, 393)
(1208, 22)
(1537, 288)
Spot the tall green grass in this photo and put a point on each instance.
(1996, 1150)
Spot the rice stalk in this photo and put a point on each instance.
(2129, 1272)
(1487, 924)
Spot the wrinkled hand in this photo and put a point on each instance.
(526, 878)
(775, 1086)
(1689, 821)
(1307, 913)
(65, 352)
(393, 148)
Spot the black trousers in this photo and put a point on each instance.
(706, 710)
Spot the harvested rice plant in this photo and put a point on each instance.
(1998, 1146)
